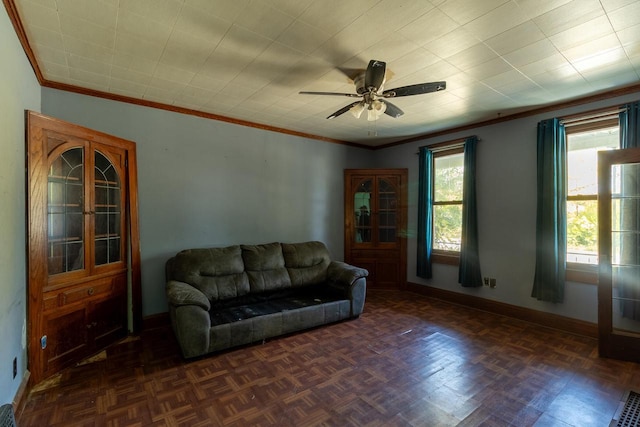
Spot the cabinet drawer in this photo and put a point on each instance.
(91, 289)
(374, 253)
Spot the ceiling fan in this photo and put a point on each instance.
(369, 88)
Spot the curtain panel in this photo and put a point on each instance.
(425, 214)
(551, 227)
(469, 274)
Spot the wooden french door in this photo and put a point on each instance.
(619, 254)
(82, 242)
(375, 224)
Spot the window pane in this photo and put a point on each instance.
(447, 227)
(448, 173)
(582, 231)
(582, 158)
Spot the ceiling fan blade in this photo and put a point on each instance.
(374, 76)
(350, 95)
(418, 89)
(392, 110)
(343, 110)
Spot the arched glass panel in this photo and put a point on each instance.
(65, 217)
(108, 211)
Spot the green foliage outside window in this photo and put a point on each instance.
(447, 209)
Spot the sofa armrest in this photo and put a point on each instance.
(343, 273)
(353, 281)
(180, 293)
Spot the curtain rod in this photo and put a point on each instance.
(441, 146)
(592, 116)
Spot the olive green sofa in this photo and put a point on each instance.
(225, 297)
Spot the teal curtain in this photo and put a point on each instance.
(425, 214)
(630, 126)
(551, 226)
(469, 274)
(628, 271)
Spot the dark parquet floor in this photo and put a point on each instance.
(407, 361)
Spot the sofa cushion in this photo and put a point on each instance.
(216, 272)
(307, 262)
(265, 269)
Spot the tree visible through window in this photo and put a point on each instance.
(583, 144)
(447, 200)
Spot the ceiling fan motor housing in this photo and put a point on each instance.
(358, 81)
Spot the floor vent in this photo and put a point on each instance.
(6, 416)
(628, 414)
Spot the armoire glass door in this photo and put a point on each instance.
(75, 214)
(65, 212)
(619, 247)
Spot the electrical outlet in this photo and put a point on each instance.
(492, 283)
(15, 367)
(486, 281)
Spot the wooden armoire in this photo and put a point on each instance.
(83, 246)
(375, 220)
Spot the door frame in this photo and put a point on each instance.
(36, 239)
(611, 343)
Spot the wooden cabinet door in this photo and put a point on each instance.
(375, 224)
(81, 192)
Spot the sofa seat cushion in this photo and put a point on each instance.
(259, 328)
(275, 302)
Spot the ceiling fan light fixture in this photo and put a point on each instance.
(376, 109)
(357, 110)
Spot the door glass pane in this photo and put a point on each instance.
(108, 204)
(387, 207)
(65, 218)
(362, 211)
(625, 247)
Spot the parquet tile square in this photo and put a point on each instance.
(407, 361)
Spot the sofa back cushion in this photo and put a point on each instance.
(306, 263)
(217, 272)
(265, 268)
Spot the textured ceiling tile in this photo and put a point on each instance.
(86, 30)
(473, 56)
(99, 13)
(625, 17)
(196, 23)
(263, 19)
(497, 21)
(333, 16)
(583, 33)
(515, 38)
(533, 8)
(568, 15)
(534, 52)
(162, 12)
(226, 10)
(303, 37)
(428, 27)
(39, 16)
(452, 43)
(464, 11)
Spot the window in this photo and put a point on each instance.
(448, 171)
(583, 143)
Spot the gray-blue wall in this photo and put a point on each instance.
(19, 91)
(209, 183)
(506, 188)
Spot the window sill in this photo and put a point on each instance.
(582, 273)
(442, 257)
